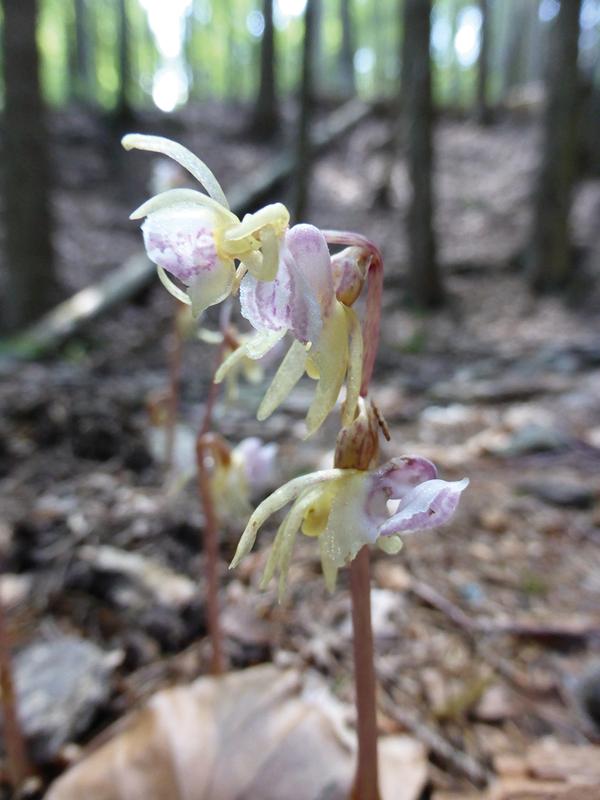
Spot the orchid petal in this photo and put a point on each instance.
(287, 302)
(177, 293)
(328, 566)
(354, 376)
(285, 494)
(287, 376)
(428, 505)
(291, 526)
(258, 346)
(184, 198)
(270, 255)
(399, 475)
(180, 154)
(181, 241)
(274, 215)
(211, 286)
(254, 347)
(331, 358)
(309, 250)
(258, 462)
(281, 550)
(348, 527)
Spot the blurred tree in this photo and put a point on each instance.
(455, 68)
(303, 149)
(82, 54)
(29, 278)
(266, 121)
(425, 283)
(123, 105)
(521, 14)
(482, 110)
(346, 53)
(550, 257)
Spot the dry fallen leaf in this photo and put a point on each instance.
(260, 734)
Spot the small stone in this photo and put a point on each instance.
(494, 520)
(60, 686)
(561, 494)
(534, 438)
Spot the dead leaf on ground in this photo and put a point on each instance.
(260, 734)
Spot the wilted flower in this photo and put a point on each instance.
(347, 509)
(197, 239)
(240, 474)
(328, 340)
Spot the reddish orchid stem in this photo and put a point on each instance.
(366, 781)
(19, 766)
(372, 319)
(175, 359)
(204, 447)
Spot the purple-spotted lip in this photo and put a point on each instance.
(300, 297)
(183, 253)
(428, 505)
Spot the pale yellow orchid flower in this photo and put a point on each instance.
(197, 238)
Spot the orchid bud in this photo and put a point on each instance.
(349, 269)
(357, 445)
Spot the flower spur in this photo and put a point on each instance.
(197, 238)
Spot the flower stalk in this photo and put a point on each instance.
(19, 766)
(205, 444)
(366, 779)
(175, 354)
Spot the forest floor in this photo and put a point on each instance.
(487, 632)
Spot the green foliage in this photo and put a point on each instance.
(221, 45)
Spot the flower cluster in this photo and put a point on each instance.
(289, 283)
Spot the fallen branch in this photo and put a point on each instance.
(461, 762)
(70, 316)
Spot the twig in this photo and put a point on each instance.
(462, 762)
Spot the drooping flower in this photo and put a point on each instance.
(348, 508)
(301, 300)
(197, 239)
(240, 474)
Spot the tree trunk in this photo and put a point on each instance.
(30, 281)
(346, 54)
(483, 111)
(424, 279)
(456, 81)
(303, 151)
(84, 78)
(266, 120)
(550, 260)
(123, 107)
(518, 34)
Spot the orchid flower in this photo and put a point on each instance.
(247, 471)
(348, 508)
(196, 237)
(302, 300)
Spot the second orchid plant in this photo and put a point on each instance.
(289, 284)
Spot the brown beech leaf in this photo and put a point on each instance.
(260, 734)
